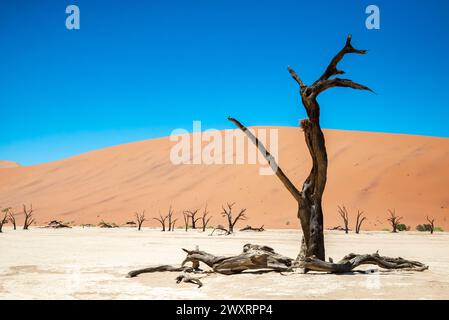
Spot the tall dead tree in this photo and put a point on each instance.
(394, 220)
(3, 220)
(232, 221)
(140, 217)
(345, 216)
(359, 221)
(309, 199)
(310, 212)
(161, 220)
(431, 224)
(205, 219)
(192, 214)
(28, 217)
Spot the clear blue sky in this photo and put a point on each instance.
(138, 69)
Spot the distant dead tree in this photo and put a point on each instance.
(3, 220)
(205, 219)
(345, 216)
(140, 217)
(186, 216)
(359, 221)
(170, 218)
(431, 224)
(28, 217)
(192, 214)
(227, 212)
(161, 220)
(173, 224)
(394, 220)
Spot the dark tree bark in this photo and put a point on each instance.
(28, 217)
(310, 212)
(140, 217)
(359, 221)
(345, 216)
(431, 224)
(394, 220)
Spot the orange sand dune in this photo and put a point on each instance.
(8, 164)
(368, 171)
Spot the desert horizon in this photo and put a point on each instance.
(113, 183)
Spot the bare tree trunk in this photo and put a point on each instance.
(345, 216)
(431, 224)
(205, 220)
(3, 221)
(28, 217)
(186, 216)
(394, 220)
(229, 216)
(161, 220)
(140, 217)
(310, 212)
(359, 221)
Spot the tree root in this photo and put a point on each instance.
(262, 259)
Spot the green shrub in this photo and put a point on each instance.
(438, 229)
(424, 227)
(402, 227)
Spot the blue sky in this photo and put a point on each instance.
(139, 69)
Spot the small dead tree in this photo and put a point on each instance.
(192, 214)
(186, 216)
(205, 219)
(431, 224)
(140, 217)
(3, 220)
(345, 216)
(161, 220)
(394, 220)
(359, 221)
(173, 225)
(227, 212)
(170, 218)
(28, 217)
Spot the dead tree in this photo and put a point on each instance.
(161, 220)
(431, 224)
(28, 217)
(345, 216)
(232, 221)
(3, 220)
(359, 221)
(309, 198)
(140, 218)
(394, 220)
(263, 259)
(186, 217)
(249, 228)
(170, 217)
(205, 219)
(192, 214)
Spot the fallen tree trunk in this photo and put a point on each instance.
(263, 259)
(249, 228)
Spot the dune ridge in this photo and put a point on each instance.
(372, 172)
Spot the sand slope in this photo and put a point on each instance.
(370, 171)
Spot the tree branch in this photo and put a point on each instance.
(332, 68)
(271, 161)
